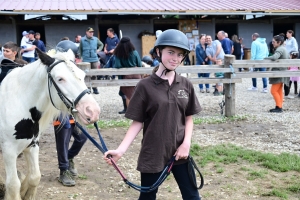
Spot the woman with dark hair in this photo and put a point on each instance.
(277, 83)
(202, 59)
(126, 56)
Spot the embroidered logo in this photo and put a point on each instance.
(182, 94)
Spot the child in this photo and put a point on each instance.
(294, 55)
(163, 105)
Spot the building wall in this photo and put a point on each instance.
(245, 30)
(54, 32)
(7, 32)
(297, 33)
(132, 31)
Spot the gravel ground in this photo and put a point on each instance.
(273, 132)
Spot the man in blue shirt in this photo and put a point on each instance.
(40, 44)
(110, 44)
(226, 43)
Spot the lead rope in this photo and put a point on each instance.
(165, 173)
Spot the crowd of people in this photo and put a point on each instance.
(212, 52)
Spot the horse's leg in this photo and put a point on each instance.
(12, 182)
(30, 184)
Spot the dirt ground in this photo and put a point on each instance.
(98, 181)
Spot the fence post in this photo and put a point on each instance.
(229, 88)
(85, 66)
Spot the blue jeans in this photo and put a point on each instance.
(62, 137)
(110, 62)
(264, 80)
(180, 172)
(29, 60)
(204, 75)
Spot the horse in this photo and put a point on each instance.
(30, 98)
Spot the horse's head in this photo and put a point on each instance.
(65, 77)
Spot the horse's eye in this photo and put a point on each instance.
(60, 79)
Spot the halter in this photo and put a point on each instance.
(68, 103)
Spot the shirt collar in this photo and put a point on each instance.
(157, 80)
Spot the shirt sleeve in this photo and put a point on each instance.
(193, 104)
(138, 59)
(99, 45)
(253, 51)
(137, 108)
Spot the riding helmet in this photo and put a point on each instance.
(147, 59)
(173, 37)
(65, 45)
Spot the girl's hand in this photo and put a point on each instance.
(182, 152)
(116, 155)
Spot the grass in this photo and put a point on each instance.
(222, 155)
(125, 123)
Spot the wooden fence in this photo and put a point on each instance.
(230, 69)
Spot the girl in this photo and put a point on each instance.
(277, 83)
(163, 105)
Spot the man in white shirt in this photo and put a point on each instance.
(28, 51)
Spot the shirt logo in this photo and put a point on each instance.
(181, 94)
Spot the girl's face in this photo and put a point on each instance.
(275, 43)
(288, 35)
(172, 57)
(8, 53)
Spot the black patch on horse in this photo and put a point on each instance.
(29, 128)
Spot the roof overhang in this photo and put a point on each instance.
(117, 12)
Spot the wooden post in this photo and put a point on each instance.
(229, 88)
(85, 66)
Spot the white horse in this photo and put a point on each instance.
(30, 98)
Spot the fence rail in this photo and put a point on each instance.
(229, 68)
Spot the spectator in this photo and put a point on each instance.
(291, 44)
(277, 83)
(259, 51)
(163, 105)
(77, 40)
(226, 43)
(24, 39)
(287, 88)
(202, 59)
(88, 49)
(126, 57)
(111, 43)
(237, 47)
(29, 50)
(10, 51)
(215, 54)
(154, 57)
(40, 44)
(64, 128)
(65, 38)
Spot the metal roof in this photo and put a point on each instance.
(181, 7)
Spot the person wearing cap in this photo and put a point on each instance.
(29, 50)
(24, 39)
(111, 43)
(87, 51)
(162, 105)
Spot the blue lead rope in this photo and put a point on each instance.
(165, 173)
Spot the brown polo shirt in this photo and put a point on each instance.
(162, 108)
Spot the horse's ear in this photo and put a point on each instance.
(71, 54)
(46, 60)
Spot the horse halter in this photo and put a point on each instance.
(68, 103)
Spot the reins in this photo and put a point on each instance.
(102, 147)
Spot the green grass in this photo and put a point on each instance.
(227, 154)
(125, 123)
(221, 155)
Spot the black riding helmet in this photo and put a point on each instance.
(174, 38)
(65, 45)
(148, 60)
